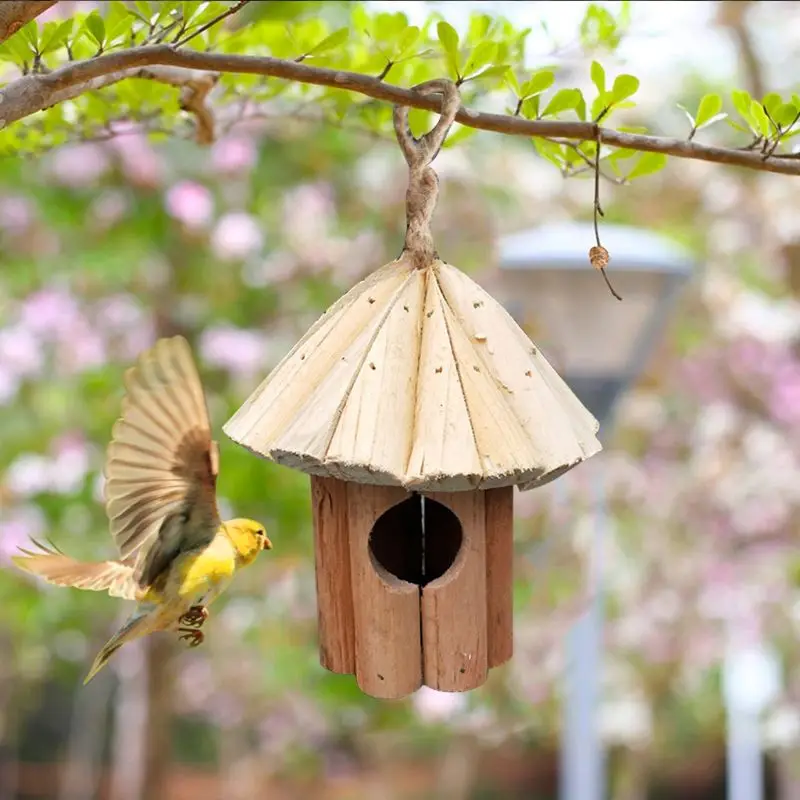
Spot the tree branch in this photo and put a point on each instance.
(16, 13)
(32, 93)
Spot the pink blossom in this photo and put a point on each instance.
(109, 209)
(16, 213)
(236, 236)
(50, 313)
(20, 351)
(84, 350)
(233, 154)
(9, 385)
(190, 203)
(80, 165)
(141, 164)
(239, 351)
(28, 475)
(17, 528)
(784, 396)
(308, 212)
(70, 465)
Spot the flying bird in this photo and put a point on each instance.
(175, 553)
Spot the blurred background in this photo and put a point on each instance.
(107, 245)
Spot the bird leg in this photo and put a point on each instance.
(191, 635)
(195, 617)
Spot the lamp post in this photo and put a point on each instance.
(599, 346)
(751, 681)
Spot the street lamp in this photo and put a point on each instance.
(599, 346)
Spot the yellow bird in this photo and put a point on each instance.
(176, 554)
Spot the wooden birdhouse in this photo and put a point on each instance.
(416, 404)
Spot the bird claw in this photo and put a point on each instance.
(192, 636)
(195, 617)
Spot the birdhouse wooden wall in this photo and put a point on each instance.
(413, 589)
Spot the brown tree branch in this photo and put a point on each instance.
(16, 13)
(32, 93)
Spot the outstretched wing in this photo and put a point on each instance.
(161, 467)
(98, 576)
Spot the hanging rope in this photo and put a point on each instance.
(423, 183)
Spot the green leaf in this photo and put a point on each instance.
(530, 107)
(336, 39)
(692, 123)
(598, 77)
(709, 107)
(30, 33)
(96, 28)
(539, 82)
(448, 38)
(648, 164)
(771, 101)
(743, 103)
(555, 153)
(57, 36)
(785, 114)
(483, 54)
(624, 87)
(562, 100)
(495, 71)
(408, 39)
(762, 123)
(460, 134)
(513, 83)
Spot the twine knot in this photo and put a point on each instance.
(423, 183)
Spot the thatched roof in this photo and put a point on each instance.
(417, 378)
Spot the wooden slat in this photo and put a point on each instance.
(500, 574)
(334, 588)
(454, 605)
(387, 630)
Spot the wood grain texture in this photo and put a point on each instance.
(335, 613)
(420, 379)
(454, 631)
(499, 505)
(388, 647)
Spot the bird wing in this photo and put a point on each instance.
(162, 464)
(54, 567)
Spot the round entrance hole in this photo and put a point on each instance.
(416, 540)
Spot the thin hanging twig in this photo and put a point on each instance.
(598, 255)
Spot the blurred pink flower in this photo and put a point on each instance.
(308, 213)
(9, 385)
(83, 349)
(80, 165)
(71, 463)
(190, 203)
(51, 313)
(17, 528)
(20, 351)
(236, 350)
(236, 236)
(28, 475)
(233, 154)
(141, 165)
(784, 397)
(16, 213)
(108, 209)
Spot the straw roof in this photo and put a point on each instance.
(418, 378)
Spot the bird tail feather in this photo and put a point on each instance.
(137, 625)
(55, 567)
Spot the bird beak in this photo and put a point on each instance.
(267, 544)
